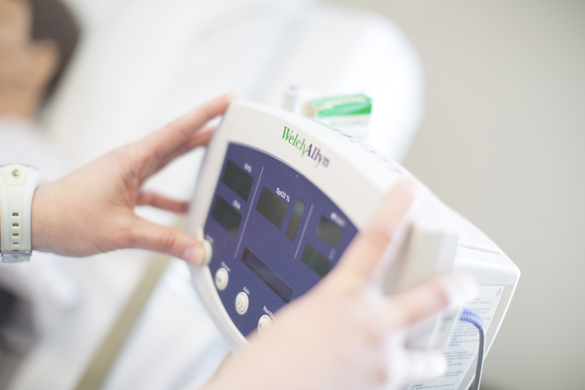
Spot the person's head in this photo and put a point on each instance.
(37, 39)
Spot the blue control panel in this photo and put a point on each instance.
(274, 235)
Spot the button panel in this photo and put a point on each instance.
(274, 235)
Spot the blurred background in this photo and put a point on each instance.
(484, 101)
(502, 141)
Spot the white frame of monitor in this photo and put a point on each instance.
(261, 127)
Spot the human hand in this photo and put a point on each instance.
(91, 210)
(345, 334)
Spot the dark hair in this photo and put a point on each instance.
(52, 20)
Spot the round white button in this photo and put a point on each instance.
(221, 278)
(242, 303)
(264, 323)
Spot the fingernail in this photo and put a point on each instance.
(230, 96)
(427, 365)
(436, 364)
(408, 185)
(194, 255)
(460, 288)
(398, 204)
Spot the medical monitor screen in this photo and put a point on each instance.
(329, 231)
(295, 220)
(267, 275)
(237, 179)
(276, 245)
(272, 207)
(315, 260)
(227, 216)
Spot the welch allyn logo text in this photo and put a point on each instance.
(313, 152)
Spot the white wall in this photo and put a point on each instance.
(503, 142)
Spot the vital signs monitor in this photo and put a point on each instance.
(278, 200)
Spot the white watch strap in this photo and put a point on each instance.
(17, 187)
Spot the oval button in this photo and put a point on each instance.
(242, 303)
(221, 278)
(264, 323)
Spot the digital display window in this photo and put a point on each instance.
(316, 261)
(238, 180)
(226, 215)
(267, 275)
(272, 207)
(329, 231)
(295, 220)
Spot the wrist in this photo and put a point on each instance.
(41, 221)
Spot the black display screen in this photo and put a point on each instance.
(329, 231)
(267, 275)
(237, 179)
(295, 220)
(272, 207)
(316, 261)
(226, 215)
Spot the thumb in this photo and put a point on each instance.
(164, 239)
(365, 251)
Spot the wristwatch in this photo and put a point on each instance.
(18, 183)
